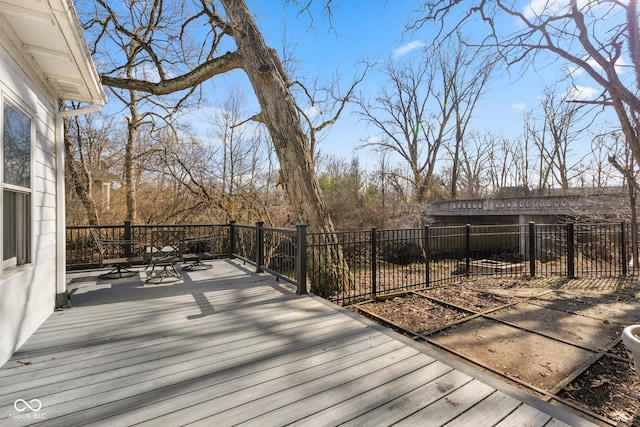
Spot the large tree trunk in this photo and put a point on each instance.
(279, 114)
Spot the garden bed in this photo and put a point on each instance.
(551, 331)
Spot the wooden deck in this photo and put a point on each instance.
(226, 346)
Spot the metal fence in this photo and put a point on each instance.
(275, 250)
(351, 266)
(82, 252)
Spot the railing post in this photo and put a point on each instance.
(571, 268)
(426, 249)
(467, 249)
(127, 238)
(259, 246)
(301, 258)
(232, 239)
(623, 248)
(532, 249)
(374, 262)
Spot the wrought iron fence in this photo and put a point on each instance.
(386, 261)
(244, 238)
(82, 252)
(350, 266)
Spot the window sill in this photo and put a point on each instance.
(14, 270)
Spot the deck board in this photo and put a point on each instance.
(450, 406)
(488, 412)
(226, 346)
(203, 389)
(370, 400)
(340, 405)
(407, 404)
(525, 415)
(157, 345)
(267, 396)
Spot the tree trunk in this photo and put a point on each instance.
(129, 165)
(279, 114)
(80, 178)
(633, 192)
(455, 166)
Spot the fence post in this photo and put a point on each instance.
(374, 262)
(623, 248)
(301, 258)
(259, 246)
(532, 249)
(232, 239)
(426, 249)
(571, 253)
(127, 238)
(467, 249)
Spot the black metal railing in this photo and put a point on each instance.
(82, 252)
(350, 266)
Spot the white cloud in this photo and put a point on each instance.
(147, 72)
(582, 93)
(544, 7)
(621, 66)
(403, 50)
(538, 8)
(575, 71)
(372, 139)
(312, 112)
(520, 106)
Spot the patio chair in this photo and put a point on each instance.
(118, 264)
(165, 251)
(196, 248)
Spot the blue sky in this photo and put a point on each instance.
(371, 30)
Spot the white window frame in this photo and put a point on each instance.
(11, 263)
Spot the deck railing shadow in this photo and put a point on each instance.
(226, 275)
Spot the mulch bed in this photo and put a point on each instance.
(610, 387)
(415, 313)
(472, 299)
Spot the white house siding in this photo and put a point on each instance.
(27, 294)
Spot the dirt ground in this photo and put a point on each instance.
(558, 339)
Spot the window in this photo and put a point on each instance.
(16, 187)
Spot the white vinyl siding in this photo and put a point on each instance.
(27, 292)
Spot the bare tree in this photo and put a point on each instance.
(561, 126)
(412, 118)
(599, 172)
(228, 130)
(91, 147)
(279, 111)
(469, 71)
(230, 24)
(428, 105)
(125, 36)
(321, 105)
(473, 163)
(79, 162)
(599, 37)
(508, 161)
(621, 160)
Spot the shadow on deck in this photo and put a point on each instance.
(227, 346)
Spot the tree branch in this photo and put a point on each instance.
(220, 65)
